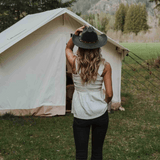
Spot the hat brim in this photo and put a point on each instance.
(102, 40)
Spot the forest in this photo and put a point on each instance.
(123, 22)
(131, 22)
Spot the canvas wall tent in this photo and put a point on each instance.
(33, 63)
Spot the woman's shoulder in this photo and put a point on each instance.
(104, 64)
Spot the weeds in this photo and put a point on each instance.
(151, 36)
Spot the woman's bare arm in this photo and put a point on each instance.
(69, 47)
(69, 52)
(108, 82)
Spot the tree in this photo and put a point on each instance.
(12, 11)
(78, 13)
(53, 4)
(103, 22)
(143, 17)
(120, 17)
(136, 19)
(99, 21)
(128, 27)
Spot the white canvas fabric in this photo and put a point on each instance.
(33, 63)
(88, 101)
(34, 75)
(31, 23)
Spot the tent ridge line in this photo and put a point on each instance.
(30, 31)
(61, 11)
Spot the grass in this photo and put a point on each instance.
(36, 138)
(144, 50)
(142, 76)
(132, 135)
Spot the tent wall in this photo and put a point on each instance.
(110, 54)
(33, 73)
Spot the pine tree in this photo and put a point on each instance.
(12, 11)
(103, 22)
(129, 25)
(136, 19)
(144, 15)
(120, 17)
(103, 26)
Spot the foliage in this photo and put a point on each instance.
(104, 22)
(78, 13)
(136, 19)
(120, 17)
(107, 6)
(13, 11)
(151, 36)
(99, 21)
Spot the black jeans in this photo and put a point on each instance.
(81, 130)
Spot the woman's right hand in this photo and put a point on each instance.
(79, 30)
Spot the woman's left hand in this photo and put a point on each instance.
(79, 30)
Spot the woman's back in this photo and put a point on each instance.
(88, 98)
(93, 85)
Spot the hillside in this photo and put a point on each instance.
(106, 6)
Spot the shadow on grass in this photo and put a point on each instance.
(18, 120)
(126, 99)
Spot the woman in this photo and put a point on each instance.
(89, 105)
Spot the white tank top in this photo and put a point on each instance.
(88, 100)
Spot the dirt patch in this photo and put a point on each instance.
(124, 100)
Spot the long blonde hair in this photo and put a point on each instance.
(88, 61)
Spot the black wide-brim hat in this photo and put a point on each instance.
(89, 39)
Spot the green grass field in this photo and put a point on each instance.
(132, 135)
(136, 73)
(144, 50)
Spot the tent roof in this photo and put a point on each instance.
(32, 22)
